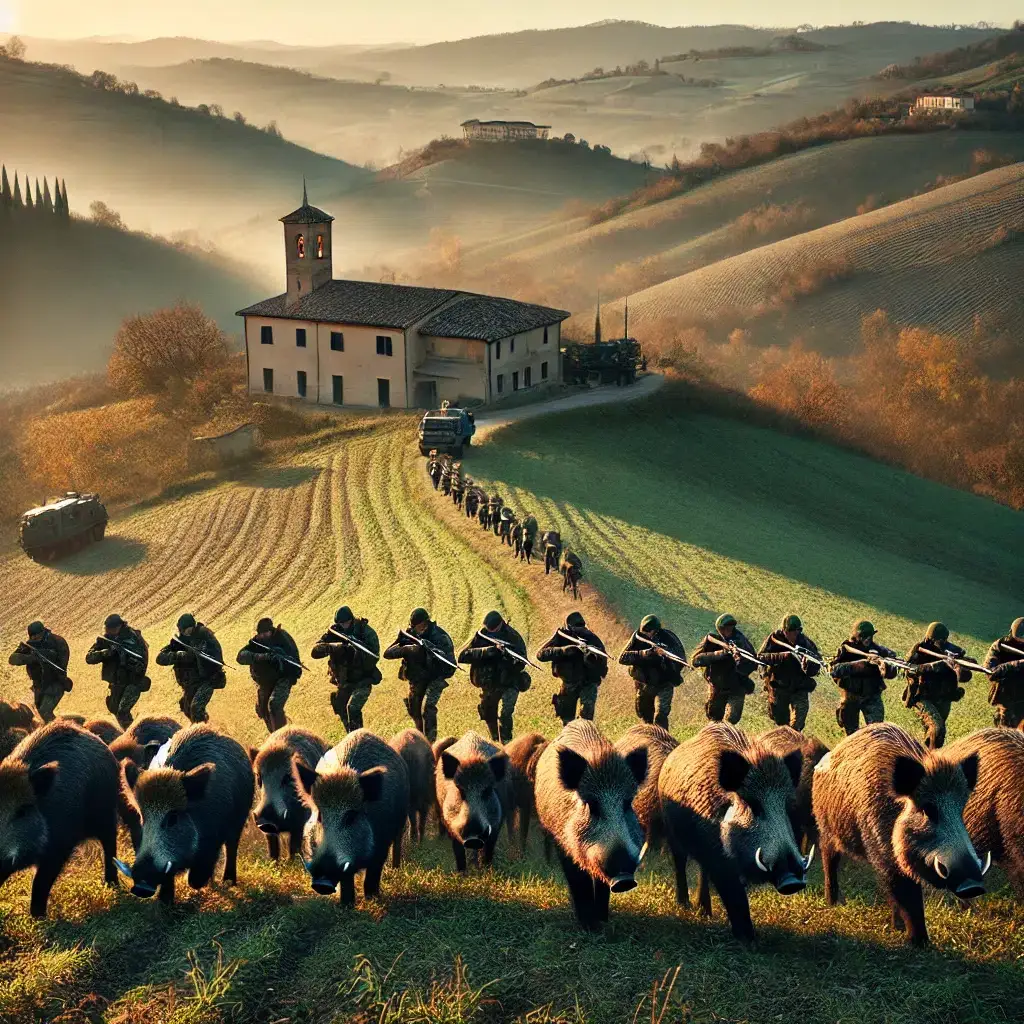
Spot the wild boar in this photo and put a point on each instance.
(784, 740)
(438, 747)
(59, 787)
(139, 743)
(474, 795)
(523, 754)
(194, 799)
(659, 743)
(358, 797)
(726, 802)
(585, 791)
(107, 731)
(9, 739)
(412, 746)
(880, 797)
(280, 806)
(17, 716)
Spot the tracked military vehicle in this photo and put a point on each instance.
(446, 430)
(607, 362)
(62, 526)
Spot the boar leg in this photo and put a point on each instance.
(830, 858)
(489, 849)
(294, 844)
(46, 874)
(347, 896)
(230, 876)
(202, 870)
(371, 880)
(907, 896)
(682, 888)
(581, 892)
(733, 895)
(601, 899)
(109, 843)
(524, 824)
(273, 847)
(167, 890)
(703, 892)
(460, 855)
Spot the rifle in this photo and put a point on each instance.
(965, 662)
(867, 656)
(46, 660)
(581, 644)
(801, 652)
(734, 648)
(355, 643)
(665, 653)
(199, 654)
(427, 646)
(278, 654)
(1012, 650)
(506, 648)
(121, 647)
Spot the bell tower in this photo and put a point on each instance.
(307, 250)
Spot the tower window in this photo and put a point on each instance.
(300, 337)
(501, 383)
(545, 335)
(337, 341)
(319, 247)
(497, 351)
(512, 345)
(266, 335)
(543, 371)
(384, 345)
(300, 247)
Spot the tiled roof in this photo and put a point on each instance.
(307, 214)
(487, 318)
(357, 302)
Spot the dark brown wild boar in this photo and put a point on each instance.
(879, 796)
(358, 796)
(523, 754)
(195, 799)
(474, 795)
(17, 716)
(280, 803)
(107, 731)
(726, 802)
(139, 743)
(412, 746)
(783, 740)
(585, 791)
(9, 739)
(438, 747)
(59, 787)
(659, 743)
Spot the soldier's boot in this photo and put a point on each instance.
(355, 719)
(124, 718)
(430, 723)
(111, 703)
(587, 710)
(340, 709)
(505, 729)
(644, 708)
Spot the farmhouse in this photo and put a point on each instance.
(941, 102)
(503, 131)
(361, 343)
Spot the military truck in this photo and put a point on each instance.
(446, 431)
(606, 362)
(62, 526)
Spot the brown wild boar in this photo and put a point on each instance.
(358, 796)
(585, 791)
(139, 743)
(880, 797)
(107, 731)
(17, 716)
(726, 802)
(438, 747)
(280, 807)
(474, 795)
(784, 740)
(59, 787)
(9, 739)
(412, 746)
(523, 754)
(194, 799)
(659, 743)
(994, 814)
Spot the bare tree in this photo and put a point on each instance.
(105, 216)
(14, 50)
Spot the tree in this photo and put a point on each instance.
(165, 351)
(239, 117)
(14, 50)
(105, 216)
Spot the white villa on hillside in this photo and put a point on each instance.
(361, 343)
(934, 102)
(503, 131)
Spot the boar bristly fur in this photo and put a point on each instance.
(783, 740)
(523, 754)
(412, 746)
(659, 743)
(106, 730)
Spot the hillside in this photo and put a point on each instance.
(68, 286)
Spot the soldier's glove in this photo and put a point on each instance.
(804, 664)
(490, 653)
(262, 656)
(180, 657)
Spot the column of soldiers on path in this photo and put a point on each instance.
(789, 661)
(520, 533)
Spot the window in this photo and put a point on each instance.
(300, 383)
(545, 335)
(527, 376)
(337, 389)
(543, 371)
(384, 392)
(497, 351)
(501, 383)
(300, 247)
(337, 341)
(300, 337)
(268, 380)
(515, 380)
(512, 346)
(384, 345)
(266, 335)
(319, 247)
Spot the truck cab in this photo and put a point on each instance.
(446, 430)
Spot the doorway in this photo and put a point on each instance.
(384, 392)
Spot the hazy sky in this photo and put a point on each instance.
(377, 21)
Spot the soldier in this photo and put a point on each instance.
(656, 659)
(530, 529)
(45, 657)
(428, 662)
(789, 676)
(472, 503)
(726, 669)
(496, 657)
(434, 468)
(508, 520)
(446, 475)
(353, 649)
(198, 663)
(484, 511)
(517, 541)
(551, 541)
(273, 659)
(579, 670)
(1006, 663)
(571, 568)
(495, 513)
(860, 671)
(458, 485)
(124, 655)
(933, 682)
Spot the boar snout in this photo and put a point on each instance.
(619, 867)
(788, 874)
(324, 886)
(961, 874)
(267, 822)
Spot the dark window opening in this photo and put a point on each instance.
(545, 335)
(337, 390)
(497, 350)
(527, 376)
(515, 380)
(384, 345)
(268, 380)
(300, 383)
(512, 345)
(384, 392)
(543, 371)
(300, 337)
(337, 341)
(300, 247)
(266, 335)
(501, 383)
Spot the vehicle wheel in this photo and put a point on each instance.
(98, 530)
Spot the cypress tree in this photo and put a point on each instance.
(67, 209)
(28, 194)
(17, 190)
(597, 321)
(39, 195)
(58, 199)
(47, 198)
(6, 199)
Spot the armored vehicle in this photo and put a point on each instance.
(607, 362)
(62, 526)
(446, 431)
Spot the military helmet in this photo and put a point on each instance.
(792, 622)
(492, 620)
(343, 614)
(649, 623)
(419, 616)
(113, 621)
(36, 628)
(725, 620)
(937, 631)
(265, 625)
(186, 621)
(575, 619)
(1017, 628)
(864, 629)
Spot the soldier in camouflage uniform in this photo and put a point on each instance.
(498, 676)
(1006, 663)
(45, 657)
(655, 675)
(551, 542)
(726, 671)
(471, 506)
(426, 674)
(861, 678)
(458, 485)
(530, 529)
(273, 659)
(789, 679)
(352, 671)
(434, 468)
(580, 672)
(124, 655)
(494, 512)
(189, 654)
(933, 682)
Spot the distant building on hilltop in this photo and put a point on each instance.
(361, 343)
(503, 131)
(942, 102)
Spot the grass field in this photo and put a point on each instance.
(675, 510)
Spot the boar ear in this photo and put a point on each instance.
(131, 773)
(254, 752)
(371, 782)
(571, 767)
(43, 777)
(499, 766)
(307, 776)
(732, 770)
(794, 762)
(196, 781)
(969, 766)
(907, 773)
(636, 760)
(449, 764)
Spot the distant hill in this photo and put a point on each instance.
(67, 286)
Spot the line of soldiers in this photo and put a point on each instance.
(789, 662)
(519, 533)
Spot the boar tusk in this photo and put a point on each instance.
(346, 866)
(167, 870)
(643, 852)
(809, 857)
(940, 869)
(759, 861)
(987, 864)
(123, 868)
